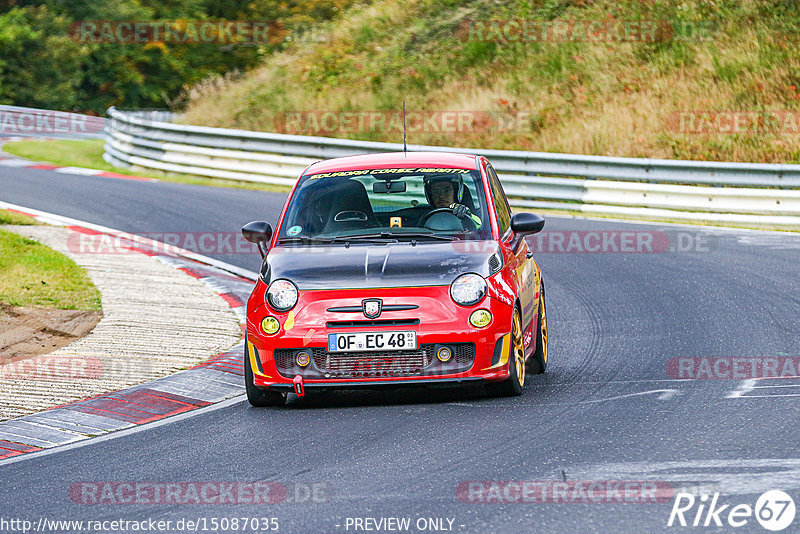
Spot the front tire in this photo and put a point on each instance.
(259, 397)
(512, 386)
(537, 363)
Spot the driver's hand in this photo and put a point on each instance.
(460, 210)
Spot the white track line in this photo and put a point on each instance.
(60, 220)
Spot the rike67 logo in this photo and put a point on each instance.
(774, 510)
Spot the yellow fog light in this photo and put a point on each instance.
(270, 325)
(480, 318)
(444, 354)
(303, 358)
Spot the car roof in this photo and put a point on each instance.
(395, 159)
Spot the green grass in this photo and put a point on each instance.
(9, 217)
(88, 153)
(68, 153)
(32, 274)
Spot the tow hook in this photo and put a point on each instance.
(298, 386)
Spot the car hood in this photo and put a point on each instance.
(371, 266)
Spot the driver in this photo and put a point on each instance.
(447, 192)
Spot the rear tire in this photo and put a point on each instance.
(259, 397)
(537, 363)
(512, 386)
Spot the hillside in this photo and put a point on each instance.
(644, 78)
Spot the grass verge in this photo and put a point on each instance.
(9, 217)
(88, 153)
(32, 274)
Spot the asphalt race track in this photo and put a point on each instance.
(609, 409)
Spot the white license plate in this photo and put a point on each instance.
(368, 341)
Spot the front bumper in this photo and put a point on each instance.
(436, 319)
(390, 384)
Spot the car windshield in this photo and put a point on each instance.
(387, 205)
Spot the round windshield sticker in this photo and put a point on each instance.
(294, 230)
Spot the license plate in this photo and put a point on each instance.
(368, 341)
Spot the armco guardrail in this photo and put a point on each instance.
(726, 193)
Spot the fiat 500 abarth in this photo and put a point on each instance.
(395, 270)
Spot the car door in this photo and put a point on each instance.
(517, 252)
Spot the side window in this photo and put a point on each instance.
(500, 202)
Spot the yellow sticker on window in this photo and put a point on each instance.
(395, 221)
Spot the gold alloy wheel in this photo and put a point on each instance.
(518, 348)
(544, 332)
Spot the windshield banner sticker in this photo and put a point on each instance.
(389, 171)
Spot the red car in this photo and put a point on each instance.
(395, 270)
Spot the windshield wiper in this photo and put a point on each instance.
(418, 235)
(382, 237)
(392, 236)
(377, 237)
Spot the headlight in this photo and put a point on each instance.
(468, 289)
(282, 295)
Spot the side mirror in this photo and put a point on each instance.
(526, 223)
(258, 232)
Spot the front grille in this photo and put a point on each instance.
(464, 353)
(386, 307)
(284, 359)
(378, 363)
(371, 323)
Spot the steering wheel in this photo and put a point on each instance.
(466, 223)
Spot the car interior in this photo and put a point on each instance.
(344, 207)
